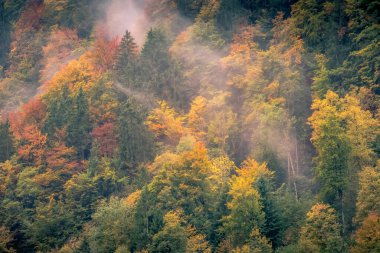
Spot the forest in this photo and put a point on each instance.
(189, 126)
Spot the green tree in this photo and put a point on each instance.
(256, 244)
(79, 126)
(362, 64)
(58, 111)
(273, 219)
(94, 161)
(6, 141)
(135, 142)
(52, 225)
(112, 224)
(162, 74)
(127, 61)
(172, 237)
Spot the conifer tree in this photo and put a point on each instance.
(58, 111)
(79, 126)
(6, 142)
(127, 60)
(135, 144)
(162, 74)
(273, 220)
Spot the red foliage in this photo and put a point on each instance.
(26, 38)
(106, 137)
(31, 113)
(30, 18)
(32, 146)
(105, 50)
(61, 160)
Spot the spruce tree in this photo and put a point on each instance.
(127, 60)
(162, 74)
(58, 111)
(135, 142)
(6, 142)
(79, 126)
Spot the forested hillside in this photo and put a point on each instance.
(190, 126)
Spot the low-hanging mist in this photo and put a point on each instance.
(117, 16)
(189, 126)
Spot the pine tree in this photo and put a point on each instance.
(135, 142)
(162, 74)
(156, 62)
(58, 111)
(6, 142)
(79, 126)
(93, 162)
(273, 222)
(127, 60)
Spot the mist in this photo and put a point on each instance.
(121, 15)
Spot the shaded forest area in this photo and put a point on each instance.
(190, 126)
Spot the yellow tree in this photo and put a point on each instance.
(166, 124)
(246, 212)
(321, 231)
(342, 134)
(368, 200)
(196, 117)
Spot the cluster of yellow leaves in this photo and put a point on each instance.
(196, 242)
(83, 73)
(166, 124)
(221, 169)
(77, 74)
(240, 62)
(163, 161)
(359, 126)
(6, 237)
(289, 45)
(103, 104)
(132, 198)
(208, 121)
(196, 117)
(258, 244)
(250, 171)
(198, 158)
(56, 5)
(368, 199)
(322, 230)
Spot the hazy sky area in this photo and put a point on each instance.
(122, 15)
